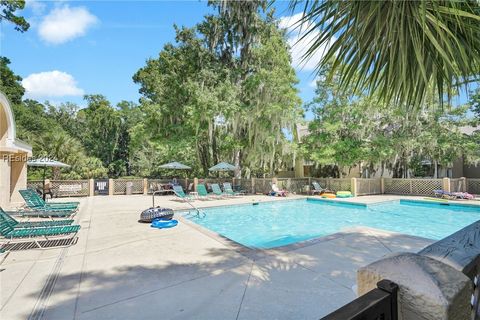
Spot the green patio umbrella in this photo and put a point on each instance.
(175, 165)
(46, 162)
(223, 166)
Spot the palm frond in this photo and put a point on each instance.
(398, 49)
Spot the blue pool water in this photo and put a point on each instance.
(274, 224)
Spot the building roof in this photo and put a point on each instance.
(469, 130)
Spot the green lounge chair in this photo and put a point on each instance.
(178, 190)
(218, 192)
(36, 199)
(36, 234)
(318, 189)
(228, 190)
(33, 224)
(42, 213)
(202, 192)
(35, 202)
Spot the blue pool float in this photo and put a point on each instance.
(163, 224)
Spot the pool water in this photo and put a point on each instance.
(279, 223)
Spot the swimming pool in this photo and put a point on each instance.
(279, 223)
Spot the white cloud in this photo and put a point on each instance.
(51, 84)
(290, 22)
(36, 6)
(299, 42)
(63, 24)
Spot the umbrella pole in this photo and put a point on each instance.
(43, 190)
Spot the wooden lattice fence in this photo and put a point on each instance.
(63, 188)
(473, 186)
(120, 186)
(368, 186)
(244, 184)
(419, 187)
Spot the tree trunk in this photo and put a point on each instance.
(238, 170)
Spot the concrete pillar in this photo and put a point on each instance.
(428, 288)
(111, 187)
(145, 186)
(382, 185)
(18, 180)
(195, 184)
(446, 184)
(91, 187)
(4, 181)
(354, 186)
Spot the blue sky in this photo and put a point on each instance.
(85, 47)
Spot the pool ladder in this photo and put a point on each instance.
(199, 214)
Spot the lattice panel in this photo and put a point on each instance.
(422, 187)
(457, 185)
(155, 184)
(473, 186)
(323, 182)
(63, 188)
(120, 186)
(426, 186)
(299, 186)
(283, 183)
(263, 185)
(339, 184)
(70, 188)
(35, 184)
(368, 186)
(245, 184)
(397, 186)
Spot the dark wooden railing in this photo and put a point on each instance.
(377, 304)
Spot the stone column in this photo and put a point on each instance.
(91, 187)
(111, 187)
(145, 186)
(4, 181)
(446, 184)
(354, 186)
(18, 180)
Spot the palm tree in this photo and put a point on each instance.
(396, 48)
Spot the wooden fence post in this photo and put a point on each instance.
(145, 186)
(382, 185)
(253, 185)
(354, 186)
(195, 183)
(446, 184)
(91, 188)
(111, 187)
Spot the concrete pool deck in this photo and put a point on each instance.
(121, 269)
